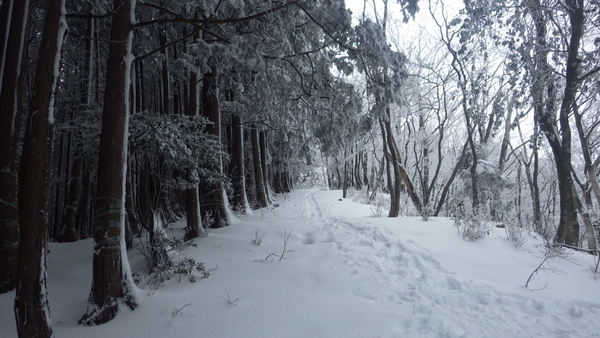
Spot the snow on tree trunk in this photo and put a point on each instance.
(213, 203)
(240, 201)
(192, 201)
(568, 227)
(109, 285)
(261, 196)
(262, 139)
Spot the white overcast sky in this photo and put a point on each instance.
(406, 32)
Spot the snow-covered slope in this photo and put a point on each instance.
(345, 274)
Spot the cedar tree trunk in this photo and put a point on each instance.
(9, 140)
(32, 311)
(108, 282)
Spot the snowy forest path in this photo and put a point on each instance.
(436, 301)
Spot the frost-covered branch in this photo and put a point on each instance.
(325, 30)
(181, 19)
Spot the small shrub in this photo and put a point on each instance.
(239, 211)
(426, 212)
(359, 196)
(160, 257)
(515, 233)
(207, 221)
(380, 205)
(257, 240)
(472, 223)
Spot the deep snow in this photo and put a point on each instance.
(347, 274)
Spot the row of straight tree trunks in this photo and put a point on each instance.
(74, 189)
(64, 187)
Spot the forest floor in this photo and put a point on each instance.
(345, 273)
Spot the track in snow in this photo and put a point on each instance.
(433, 301)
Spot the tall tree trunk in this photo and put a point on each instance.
(32, 311)
(448, 184)
(473, 171)
(568, 227)
(593, 179)
(84, 213)
(5, 18)
(213, 194)
(133, 223)
(278, 178)
(365, 165)
(109, 283)
(393, 181)
(166, 78)
(10, 97)
(505, 139)
(519, 189)
(345, 185)
(400, 174)
(337, 171)
(535, 187)
(532, 172)
(288, 183)
(239, 199)
(261, 195)
(425, 191)
(262, 135)
(193, 227)
(61, 158)
(357, 167)
(69, 226)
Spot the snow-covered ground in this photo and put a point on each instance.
(346, 274)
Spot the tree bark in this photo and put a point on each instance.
(568, 227)
(261, 195)
(193, 217)
(262, 135)
(239, 199)
(393, 181)
(165, 80)
(193, 227)
(337, 171)
(505, 140)
(5, 18)
(593, 180)
(69, 227)
(32, 311)
(109, 285)
(400, 174)
(10, 96)
(448, 184)
(84, 213)
(213, 194)
(345, 184)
